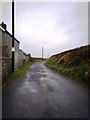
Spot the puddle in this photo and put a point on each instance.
(43, 74)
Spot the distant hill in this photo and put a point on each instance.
(74, 63)
(37, 59)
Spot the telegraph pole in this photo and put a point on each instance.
(42, 53)
(13, 49)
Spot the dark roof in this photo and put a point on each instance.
(10, 35)
(23, 52)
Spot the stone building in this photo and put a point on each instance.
(0, 57)
(6, 46)
(23, 58)
(20, 57)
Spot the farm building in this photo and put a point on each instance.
(20, 57)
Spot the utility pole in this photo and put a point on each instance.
(42, 53)
(13, 49)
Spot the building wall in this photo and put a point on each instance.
(0, 56)
(6, 66)
(16, 62)
(7, 53)
(0, 37)
(20, 57)
(6, 45)
(23, 58)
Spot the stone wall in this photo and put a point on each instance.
(16, 45)
(0, 71)
(23, 58)
(7, 52)
(0, 57)
(6, 66)
(20, 57)
(6, 45)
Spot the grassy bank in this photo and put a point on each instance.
(17, 73)
(73, 63)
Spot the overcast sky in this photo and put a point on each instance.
(55, 26)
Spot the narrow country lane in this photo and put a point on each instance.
(43, 93)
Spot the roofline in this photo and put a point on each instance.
(23, 52)
(11, 36)
(2, 28)
(8, 33)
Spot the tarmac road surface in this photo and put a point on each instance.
(43, 93)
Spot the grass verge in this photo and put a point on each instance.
(78, 74)
(17, 73)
